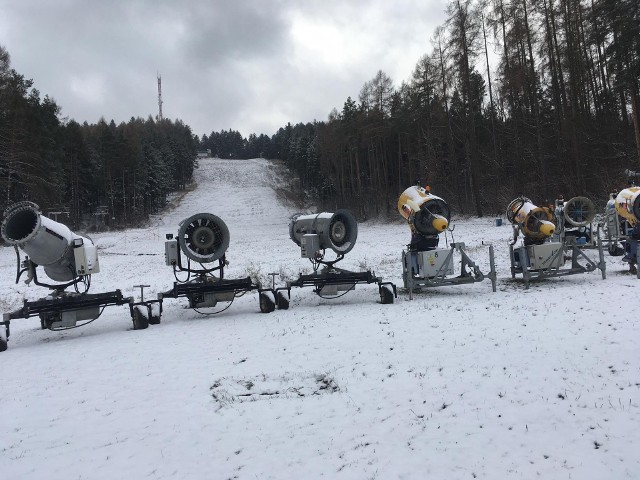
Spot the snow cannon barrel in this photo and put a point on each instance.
(577, 211)
(536, 222)
(426, 213)
(337, 231)
(627, 204)
(203, 237)
(63, 254)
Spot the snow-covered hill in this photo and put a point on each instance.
(460, 382)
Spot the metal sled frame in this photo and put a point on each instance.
(577, 254)
(59, 305)
(469, 271)
(330, 275)
(565, 229)
(563, 233)
(195, 289)
(614, 237)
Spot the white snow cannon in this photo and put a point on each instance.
(314, 234)
(203, 238)
(65, 257)
(337, 231)
(574, 221)
(575, 212)
(63, 254)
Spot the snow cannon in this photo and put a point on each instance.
(622, 222)
(424, 265)
(203, 239)
(536, 222)
(574, 221)
(576, 212)
(64, 255)
(627, 204)
(426, 213)
(553, 235)
(337, 231)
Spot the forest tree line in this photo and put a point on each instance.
(516, 97)
(103, 173)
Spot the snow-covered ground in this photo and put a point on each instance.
(459, 382)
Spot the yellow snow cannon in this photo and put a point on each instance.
(536, 223)
(628, 204)
(426, 213)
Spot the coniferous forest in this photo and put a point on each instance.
(103, 174)
(515, 97)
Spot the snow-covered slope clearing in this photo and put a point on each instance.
(458, 383)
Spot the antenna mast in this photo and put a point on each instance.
(159, 97)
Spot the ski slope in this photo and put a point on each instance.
(458, 383)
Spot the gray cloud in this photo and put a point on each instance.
(220, 31)
(249, 65)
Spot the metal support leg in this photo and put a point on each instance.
(141, 287)
(601, 263)
(492, 273)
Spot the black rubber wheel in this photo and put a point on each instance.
(154, 320)
(615, 250)
(386, 295)
(140, 322)
(267, 304)
(281, 301)
(3, 345)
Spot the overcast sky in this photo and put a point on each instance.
(249, 65)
